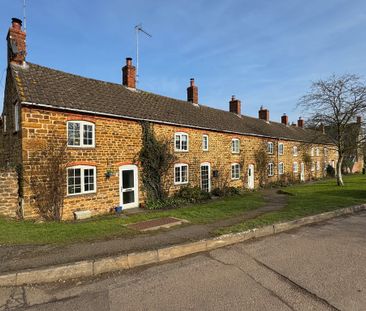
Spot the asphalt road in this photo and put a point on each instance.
(320, 267)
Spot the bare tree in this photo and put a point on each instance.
(335, 103)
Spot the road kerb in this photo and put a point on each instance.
(89, 268)
(55, 273)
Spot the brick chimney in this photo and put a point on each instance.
(129, 74)
(300, 122)
(16, 42)
(321, 128)
(263, 114)
(359, 119)
(192, 92)
(284, 119)
(235, 105)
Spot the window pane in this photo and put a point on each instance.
(177, 174)
(177, 142)
(128, 197)
(184, 142)
(128, 179)
(184, 171)
(89, 179)
(74, 180)
(74, 134)
(88, 134)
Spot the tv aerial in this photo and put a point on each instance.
(138, 29)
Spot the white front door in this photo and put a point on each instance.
(302, 172)
(128, 184)
(205, 177)
(251, 176)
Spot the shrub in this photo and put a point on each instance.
(330, 171)
(193, 194)
(168, 203)
(225, 191)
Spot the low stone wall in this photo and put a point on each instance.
(8, 193)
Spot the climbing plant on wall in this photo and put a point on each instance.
(156, 159)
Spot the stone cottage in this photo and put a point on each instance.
(101, 124)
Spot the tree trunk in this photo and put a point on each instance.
(339, 171)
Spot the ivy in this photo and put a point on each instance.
(156, 159)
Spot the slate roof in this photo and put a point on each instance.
(44, 86)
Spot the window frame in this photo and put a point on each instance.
(180, 165)
(312, 151)
(325, 152)
(281, 149)
(270, 148)
(317, 151)
(82, 181)
(317, 166)
(295, 165)
(281, 168)
(205, 148)
(270, 172)
(180, 149)
(295, 151)
(233, 141)
(234, 165)
(81, 123)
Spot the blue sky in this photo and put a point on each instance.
(264, 52)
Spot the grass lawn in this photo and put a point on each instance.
(310, 199)
(27, 232)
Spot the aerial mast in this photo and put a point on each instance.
(138, 29)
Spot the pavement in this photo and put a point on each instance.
(317, 267)
(21, 257)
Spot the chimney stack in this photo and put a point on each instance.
(235, 105)
(192, 92)
(284, 119)
(300, 122)
(129, 74)
(16, 42)
(263, 114)
(322, 128)
(359, 119)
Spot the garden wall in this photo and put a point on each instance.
(8, 193)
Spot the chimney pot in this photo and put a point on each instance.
(235, 105)
(192, 92)
(359, 119)
(129, 74)
(263, 114)
(300, 122)
(16, 23)
(284, 119)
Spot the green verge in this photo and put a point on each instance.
(309, 199)
(27, 232)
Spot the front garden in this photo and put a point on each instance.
(303, 200)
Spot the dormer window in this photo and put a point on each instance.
(80, 134)
(235, 145)
(181, 142)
